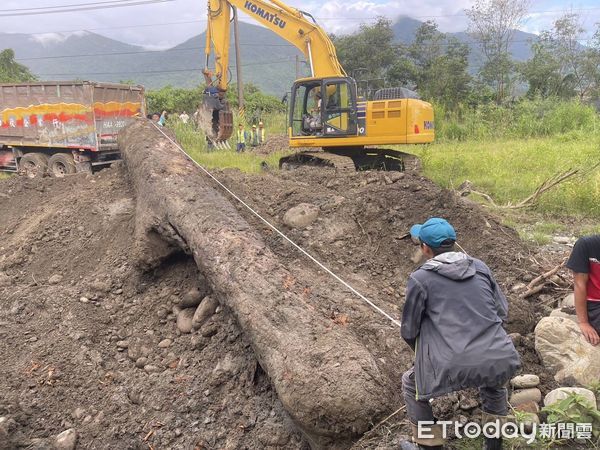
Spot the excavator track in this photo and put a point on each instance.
(318, 159)
(353, 160)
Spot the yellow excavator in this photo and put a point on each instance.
(325, 111)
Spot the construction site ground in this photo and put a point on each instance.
(76, 314)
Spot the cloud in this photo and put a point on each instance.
(55, 38)
(153, 25)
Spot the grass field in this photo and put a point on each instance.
(194, 144)
(509, 170)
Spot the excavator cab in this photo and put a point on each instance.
(324, 108)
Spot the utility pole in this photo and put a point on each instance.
(238, 67)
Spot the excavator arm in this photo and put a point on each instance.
(289, 23)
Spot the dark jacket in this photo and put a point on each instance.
(452, 318)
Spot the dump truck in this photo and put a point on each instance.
(63, 127)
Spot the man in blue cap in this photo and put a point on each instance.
(452, 319)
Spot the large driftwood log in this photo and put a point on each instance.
(325, 378)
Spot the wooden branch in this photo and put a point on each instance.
(539, 283)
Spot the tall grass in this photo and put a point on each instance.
(511, 169)
(523, 119)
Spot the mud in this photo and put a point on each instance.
(69, 293)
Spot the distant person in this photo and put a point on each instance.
(584, 262)
(155, 117)
(261, 133)
(184, 117)
(284, 99)
(254, 136)
(242, 136)
(162, 119)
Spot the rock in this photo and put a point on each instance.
(560, 313)
(568, 301)
(55, 279)
(137, 349)
(516, 338)
(529, 407)
(395, 176)
(525, 381)
(84, 299)
(518, 287)
(141, 362)
(301, 216)
(78, 413)
(563, 392)
(564, 350)
(184, 320)
(165, 343)
(193, 297)
(67, 440)
(122, 345)
(209, 330)
(149, 368)
(206, 309)
(561, 240)
(526, 395)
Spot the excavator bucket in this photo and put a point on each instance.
(216, 119)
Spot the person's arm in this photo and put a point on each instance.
(412, 313)
(588, 331)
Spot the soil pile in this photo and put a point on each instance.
(76, 316)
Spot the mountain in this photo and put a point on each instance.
(405, 29)
(267, 60)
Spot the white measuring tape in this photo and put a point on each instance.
(312, 258)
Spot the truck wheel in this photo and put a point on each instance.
(33, 164)
(61, 164)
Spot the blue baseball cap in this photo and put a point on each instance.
(433, 232)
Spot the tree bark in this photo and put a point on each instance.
(325, 378)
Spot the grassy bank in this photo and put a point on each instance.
(510, 170)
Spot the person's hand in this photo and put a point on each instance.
(590, 334)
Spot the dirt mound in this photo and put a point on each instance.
(76, 316)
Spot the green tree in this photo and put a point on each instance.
(11, 71)
(370, 52)
(542, 72)
(492, 25)
(436, 65)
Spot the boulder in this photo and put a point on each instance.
(524, 396)
(565, 351)
(560, 313)
(525, 381)
(206, 309)
(568, 301)
(563, 392)
(301, 216)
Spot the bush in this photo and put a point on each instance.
(522, 119)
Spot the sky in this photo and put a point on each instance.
(163, 25)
